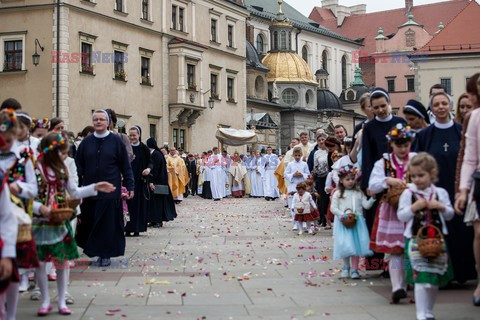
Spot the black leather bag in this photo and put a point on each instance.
(161, 189)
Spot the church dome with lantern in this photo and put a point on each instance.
(287, 66)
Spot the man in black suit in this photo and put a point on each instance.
(192, 171)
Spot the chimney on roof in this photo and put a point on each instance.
(408, 6)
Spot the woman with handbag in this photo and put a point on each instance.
(425, 208)
(470, 175)
(161, 207)
(390, 175)
(442, 140)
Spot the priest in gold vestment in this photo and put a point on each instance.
(177, 175)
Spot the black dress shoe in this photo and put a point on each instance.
(216, 199)
(128, 234)
(399, 294)
(106, 262)
(476, 301)
(136, 234)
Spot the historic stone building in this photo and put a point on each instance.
(151, 61)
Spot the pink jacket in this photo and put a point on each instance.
(471, 160)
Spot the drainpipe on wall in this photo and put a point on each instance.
(57, 98)
(296, 39)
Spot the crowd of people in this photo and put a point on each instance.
(400, 192)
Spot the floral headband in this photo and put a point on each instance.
(55, 144)
(40, 123)
(346, 170)
(400, 132)
(4, 127)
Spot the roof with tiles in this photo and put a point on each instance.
(366, 25)
(458, 36)
(268, 9)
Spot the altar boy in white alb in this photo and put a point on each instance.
(270, 182)
(217, 182)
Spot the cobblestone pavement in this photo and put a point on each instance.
(235, 259)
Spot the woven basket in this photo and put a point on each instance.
(61, 215)
(73, 203)
(393, 195)
(24, 233)
(349, 221)
(300, 210)
(430, 248)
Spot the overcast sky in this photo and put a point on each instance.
(306, 6)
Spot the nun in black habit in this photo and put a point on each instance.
(160, 207)
(141, 167)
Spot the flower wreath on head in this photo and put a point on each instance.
(400, 132)
(40, 123)
(346, 170)
(4, 127)
(54, 145)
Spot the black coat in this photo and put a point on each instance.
(160, 207)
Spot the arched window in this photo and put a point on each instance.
(284, 40)
(325, 60)
(260, 44)
(344, 72)
(275, 40)
(305, 53)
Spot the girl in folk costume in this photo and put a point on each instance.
(303, 207)
(425, 208)
(8, 236)
(9, 277)
(24, 138)
(350, 233)
(296, 172)
(389, 175)
(39, 128)
(53, 236)
(315, 195)
(16, 163)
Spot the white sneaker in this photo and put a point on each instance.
(300, 234)
(355, 274)
(345, 273)
(295, 227)
(23, 283)
(310, 231)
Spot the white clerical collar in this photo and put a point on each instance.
(101, 135)
(444, 125)
(390, 117)
(135, 144)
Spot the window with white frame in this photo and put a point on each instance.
(230, 89)
(120, 5)
(178, 18)
(145, 66)
(230, 35)
(12, 52)
(447, 84)
(146, 10)
(191, 83)
(86, 54)
(213, 30)
(214, 86)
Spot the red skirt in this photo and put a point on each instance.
(27, 257)
(330, 215)
(306, 217)
(316, 214)
(373, 237)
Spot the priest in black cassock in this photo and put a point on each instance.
(374, 145)
(102, 156)
(141, 167)
(442, 141)
(161, 208)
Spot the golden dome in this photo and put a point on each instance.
(287, 67)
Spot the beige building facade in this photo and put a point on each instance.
(156, 63)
